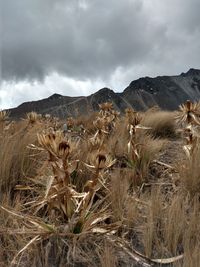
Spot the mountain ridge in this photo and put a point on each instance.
(167, 92)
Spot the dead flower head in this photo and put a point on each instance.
(55, 144)
(63, 149)
(101, 161)
(107, 106)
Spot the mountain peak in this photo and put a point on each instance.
(191, 72)
(105, 90)
(55, 96)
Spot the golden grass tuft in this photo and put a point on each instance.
(162, 123)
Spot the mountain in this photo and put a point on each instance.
(168, 92)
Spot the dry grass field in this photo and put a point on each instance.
(106, 190)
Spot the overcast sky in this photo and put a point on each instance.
(75, 47)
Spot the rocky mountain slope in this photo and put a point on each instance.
(168, 92)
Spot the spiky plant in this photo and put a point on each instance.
(99, 162)
(62, 193)
(133, 127)
(32, 117)
(106, 107)
(189, 113)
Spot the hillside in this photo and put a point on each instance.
(168, 92)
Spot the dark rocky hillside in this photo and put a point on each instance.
(168, 92)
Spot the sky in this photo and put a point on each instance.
(76, 47)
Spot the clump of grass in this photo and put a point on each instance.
(162, 124)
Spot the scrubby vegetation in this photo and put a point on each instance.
(106, 190)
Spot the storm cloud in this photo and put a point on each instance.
(96, 41)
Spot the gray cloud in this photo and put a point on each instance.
(76, 38)
(98, 39)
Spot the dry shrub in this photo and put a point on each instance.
(162, 123)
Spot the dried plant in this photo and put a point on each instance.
(70, 123)
(136, 150)
(130, 114)
(3, 115)
(106, 108)
(189, 113)
(191, 141)
(97, 140)
(32, 117)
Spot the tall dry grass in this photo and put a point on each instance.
(190, 172)
(18, 162)
(87, 197)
